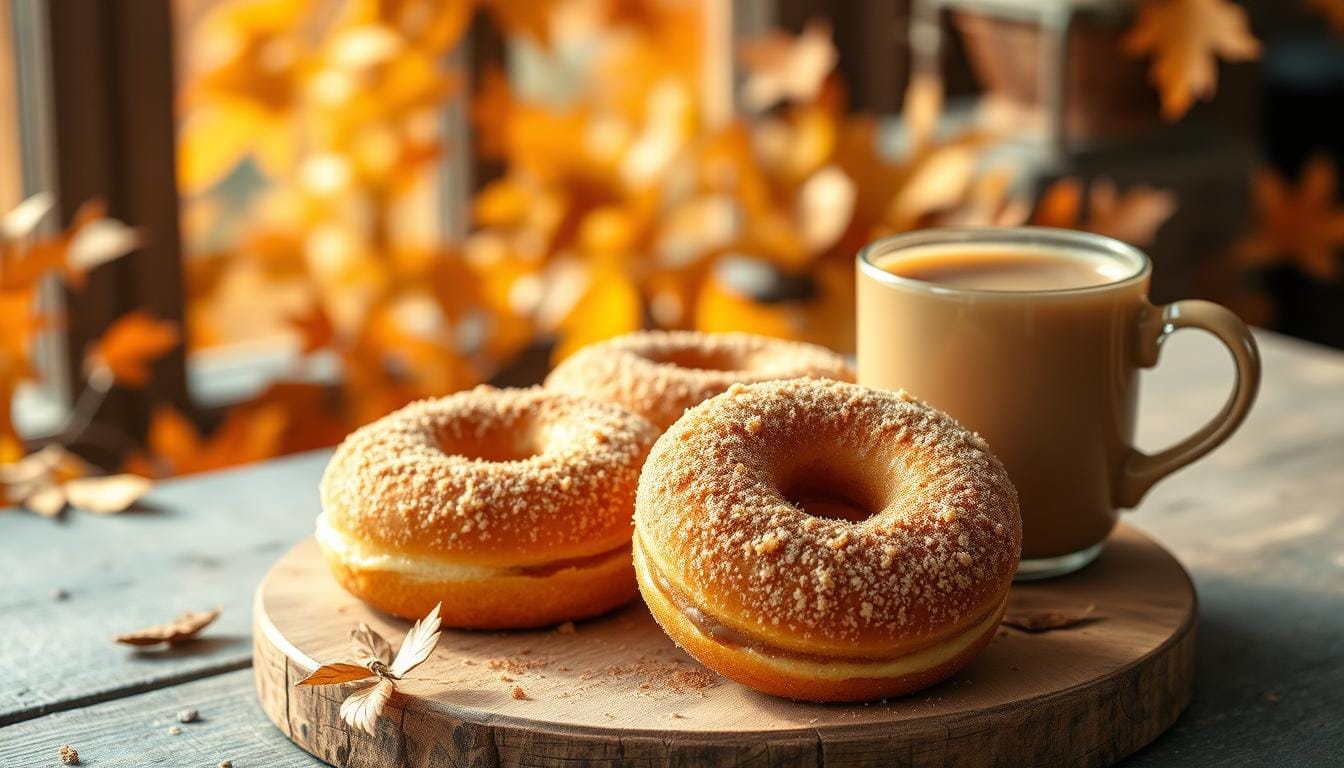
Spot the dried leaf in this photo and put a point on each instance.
(1133, 216)
(920, 110)
(38, 464)
(183, 628)
(1045, 621)
(99, 242)
(336, 673)
(418, 644)
(781, 67)
(106, 495)
(23, 219)
(250, 432)
(361, 709)
(45, 498)
(825, 208)
(1184, 38)
(127, 348)
(369, 646)
(1302, 226)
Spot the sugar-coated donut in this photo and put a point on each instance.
(659, 374)
(825, 541)
(511, 507)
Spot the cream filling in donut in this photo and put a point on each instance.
(367, 556)
(820, 668)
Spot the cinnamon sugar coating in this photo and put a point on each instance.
(494, 477)
(659, 374)
(931, 549)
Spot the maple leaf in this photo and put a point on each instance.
(362, 707)
(91, 240)
(250, 432)
(1185, 38)
(781, 67)
(1301, 225)
(1133, 216)
(183, 628)
(129, 345)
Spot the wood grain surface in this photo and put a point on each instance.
(1259, 524)
(1087, 695)
(195, 544)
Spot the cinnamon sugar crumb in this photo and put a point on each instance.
(517, 666)
(661, 677)
(943, 544)
(415, 475)
(519, 694)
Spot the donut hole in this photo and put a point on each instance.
(516, 443)
(831, 489)
(699, 359)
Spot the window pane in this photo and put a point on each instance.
(313, 141)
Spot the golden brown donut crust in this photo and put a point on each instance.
(501, 602)
(394, 484)
(512, 507)
(932, 560)
(659, 374)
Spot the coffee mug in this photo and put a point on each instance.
(1034, 338)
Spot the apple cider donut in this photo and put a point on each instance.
(659, 374)
(511, 507)
(825, 541)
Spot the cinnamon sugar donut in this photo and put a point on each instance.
(511, 507)
(659, 374)
(825, 541)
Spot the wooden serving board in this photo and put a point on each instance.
(616, 691)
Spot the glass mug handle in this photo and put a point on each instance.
(1141, 470)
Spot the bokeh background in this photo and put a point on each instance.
(237, 229)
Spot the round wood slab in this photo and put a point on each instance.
(616, 691)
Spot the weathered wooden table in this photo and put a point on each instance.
(1260, 524)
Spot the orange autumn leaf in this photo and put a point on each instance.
(314, 329)
(1300, 225)
(127, 348)
(1133, 216)
(1185, 39)
(784, 68)
(247, 434)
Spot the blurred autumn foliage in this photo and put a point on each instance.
(311, 159)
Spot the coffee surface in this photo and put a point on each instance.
(1003, 269)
